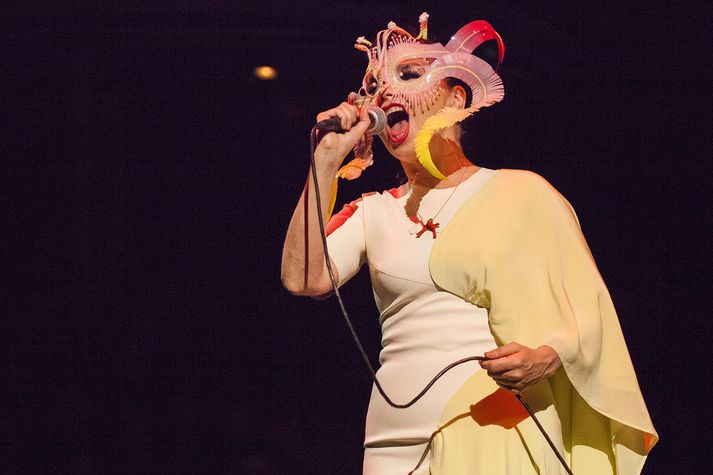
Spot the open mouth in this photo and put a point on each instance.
(397, 123)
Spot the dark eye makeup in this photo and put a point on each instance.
(410, 71)
(370, 84)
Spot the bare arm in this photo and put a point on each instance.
(304, 271)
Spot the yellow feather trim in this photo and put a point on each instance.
(333, 198)
(443, 119)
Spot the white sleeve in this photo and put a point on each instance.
(346, 240)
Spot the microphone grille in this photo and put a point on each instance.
(378, 120)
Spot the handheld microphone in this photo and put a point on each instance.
(377, 117)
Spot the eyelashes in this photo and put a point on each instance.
(406, 72)
(410, 71)
(371, 85)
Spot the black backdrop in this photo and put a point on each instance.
(146, 329)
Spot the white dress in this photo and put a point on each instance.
(423, 328)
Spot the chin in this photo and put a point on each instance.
(405, 151)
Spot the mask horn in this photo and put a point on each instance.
(474, 34)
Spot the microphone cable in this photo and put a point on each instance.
(357, 340)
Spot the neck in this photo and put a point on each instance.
(448, 157)
(421, 182)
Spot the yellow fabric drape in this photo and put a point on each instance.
(516, 248)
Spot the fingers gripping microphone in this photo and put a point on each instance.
(377, 117)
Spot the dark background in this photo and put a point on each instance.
(151, 177)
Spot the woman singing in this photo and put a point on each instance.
(466, 260)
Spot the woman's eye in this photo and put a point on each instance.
(410, 72)
(370, 84)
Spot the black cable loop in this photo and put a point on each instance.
(347, 319)
(355, 337)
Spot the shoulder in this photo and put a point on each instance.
(386, 196)
(525, 181)
(392, 193)
(373, 197)
(528, 185)
(372, 200)
(530, 192)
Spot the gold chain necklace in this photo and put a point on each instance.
(430, 225)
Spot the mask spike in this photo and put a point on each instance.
(423, 24)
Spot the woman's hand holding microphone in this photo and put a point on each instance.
(333, 147)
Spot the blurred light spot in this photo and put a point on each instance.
(266, 73)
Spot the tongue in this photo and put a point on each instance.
(399, 127)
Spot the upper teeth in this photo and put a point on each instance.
(395, 109)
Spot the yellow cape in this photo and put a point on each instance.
(516, 248)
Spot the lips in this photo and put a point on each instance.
(397, 121)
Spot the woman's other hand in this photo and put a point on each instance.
(515, 367)
(333, 147)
